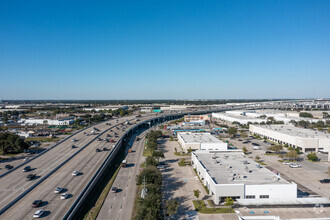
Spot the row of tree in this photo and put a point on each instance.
(150, 179)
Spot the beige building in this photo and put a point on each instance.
(191, 118)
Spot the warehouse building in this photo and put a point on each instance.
(200, 141)
(304, 139)
(34, 121)
(232, 174)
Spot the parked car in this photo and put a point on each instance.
(256, 148)
(58, 190)
(75, 173)
(26, 169)
(38, 213)
(295, 165)
(325, 181)
(30, 177)
(160, 167)
(286, 163)
(36, 203)
(64, 195)
(114, 189)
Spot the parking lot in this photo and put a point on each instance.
(307, 177)
(179, 182)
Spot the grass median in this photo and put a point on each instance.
(201, 207)
(92, 214)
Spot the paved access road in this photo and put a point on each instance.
(120, 205)
(86, 162)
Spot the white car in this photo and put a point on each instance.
(286, 163)
(75, 173)
(294, 165)
(58, 190)
(64, 196)
(256, 148)
(38, 213)
(74, 140)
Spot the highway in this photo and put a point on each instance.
(86, 162)
(120, 205)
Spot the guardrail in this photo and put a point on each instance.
(41, 153)
(56, 168)
(82, 196)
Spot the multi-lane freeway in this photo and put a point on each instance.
(120, 205)
(54, 169)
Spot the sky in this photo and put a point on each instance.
(164, 49)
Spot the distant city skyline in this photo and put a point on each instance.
(164, 50)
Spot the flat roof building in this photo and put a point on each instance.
(302, 138)
(232, 174)
(200, 141)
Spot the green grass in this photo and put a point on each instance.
(201, 207)
(206, 189)
(182, 154)
(211, 203)
(183, 163)
(147, 152)
(92, 214)
(42, 139)
(261, 163)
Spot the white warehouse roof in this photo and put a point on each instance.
(189, 137)
(236, 168)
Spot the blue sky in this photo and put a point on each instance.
(161, 49)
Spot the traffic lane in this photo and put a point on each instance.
(14, 183)
(46, 189)
(13, 196)
(125, 181)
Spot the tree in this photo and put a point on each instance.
(171, 207)
(258, 158)
(151, 174)
(151, 161)
(229, 201)
(232, 131)
(245, 150)
(292, 155)
(196, 193)
(312, 157)
(305, 115)
(158, 154)
(277, 148)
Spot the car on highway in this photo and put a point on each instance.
(112, 140)
(114, 189)
(58, 190)
(8, 166)
(97, 150)
(30, 177)
(64, 195)
(105, 149)
(73, 146)
(137, 139)
(74, 140)
(99, 139)
(294, 165)
(325, 181)
(75, 173)
(27, 169)
(38, 213)
(36, 203)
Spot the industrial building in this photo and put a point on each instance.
(232, 174)
(197, 118)
(304, 139)
(33, 121)
(200, 141)
(260, 116)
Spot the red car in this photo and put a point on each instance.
(112, 141)
(36, 203)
